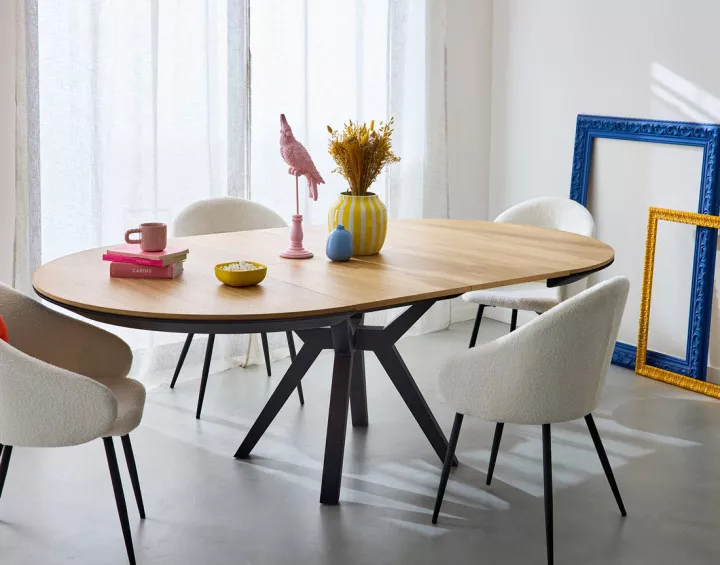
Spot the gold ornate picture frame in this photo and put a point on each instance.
(641, 366)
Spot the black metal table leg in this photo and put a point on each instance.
(291, 347)
(358, 388)
(358, 392)
(342, 337)
(404, 383)
(304, 360)
(348, 338)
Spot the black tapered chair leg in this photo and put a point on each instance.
(4, 465)
(499, 426)
(119, 497)
(476, 326)
(266, 353)
(449, 456)
(205, 373)
(605, 462)
(291, 346)
(183, 354)
(547, 479)
(132, 469)
(494, 452)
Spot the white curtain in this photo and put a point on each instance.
(142, 111)
(28, 228)
(143, 108)
(324, 62)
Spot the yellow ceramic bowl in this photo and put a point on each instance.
(240, 278)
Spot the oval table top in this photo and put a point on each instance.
(421, 259)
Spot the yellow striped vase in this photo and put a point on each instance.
(365, 217)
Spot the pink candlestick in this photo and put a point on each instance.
(296, 249)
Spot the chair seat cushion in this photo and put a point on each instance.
(534, 297)
(130, 395)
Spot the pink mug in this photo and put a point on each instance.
(153, 236)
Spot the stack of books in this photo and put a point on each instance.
(131, 262)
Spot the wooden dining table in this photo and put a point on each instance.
(324, 303)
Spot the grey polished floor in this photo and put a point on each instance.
(204, 507)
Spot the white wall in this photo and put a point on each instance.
(7, 137)
(469, 71)
(642, 58)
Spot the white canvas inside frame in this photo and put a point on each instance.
(626, 178)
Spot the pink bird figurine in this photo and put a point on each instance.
(298, 158)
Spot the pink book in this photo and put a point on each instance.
(150, 262)
(134, 271)
(134, 250)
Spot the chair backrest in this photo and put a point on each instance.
(227, 214)
(579, 337)
(42, 404)
(548, 212)
(555, 213)
(551, 369)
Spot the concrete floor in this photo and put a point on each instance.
(204, 507)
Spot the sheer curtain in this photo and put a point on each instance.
(323, 62)
(133, 114)
(141, 107)
(28, 227)
(142, 111)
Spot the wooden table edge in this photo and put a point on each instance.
(367, 306)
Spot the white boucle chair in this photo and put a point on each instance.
(556, 213)
(550, 370)
(64, 382)
(547, 212)
(222, 215)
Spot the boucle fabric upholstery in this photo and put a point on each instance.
(45, 406)
(548, 212)
(534, 296)
(130, 397)
(227, 214)
(549, 370)
(46, 397)
(556, 213)
(60, 340)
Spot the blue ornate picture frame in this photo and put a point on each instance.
(706, 136)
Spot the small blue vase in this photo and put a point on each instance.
(339, 245)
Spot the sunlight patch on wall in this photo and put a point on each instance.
(685, 96)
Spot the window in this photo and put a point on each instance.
(143, 104)
(320, 62)
(148, 105)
